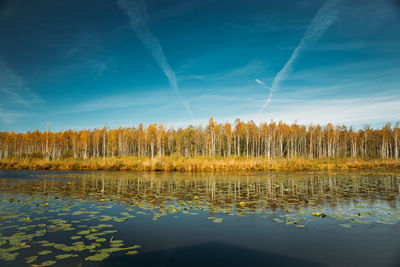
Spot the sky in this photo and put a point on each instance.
(84, 64)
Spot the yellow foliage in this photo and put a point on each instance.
(196, 164)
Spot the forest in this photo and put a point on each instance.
(221, 140)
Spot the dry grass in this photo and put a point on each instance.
(176, 163)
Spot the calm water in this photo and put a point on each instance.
(221, 219)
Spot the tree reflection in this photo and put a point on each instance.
(221, 191)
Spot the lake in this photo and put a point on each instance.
(199, 219)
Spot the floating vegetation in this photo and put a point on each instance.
(7, 255)
(45, 252)
(383, 221)
(91, 213)
(215, 220)
(97, 257)
(48, 263)
(319, 214)
(65, 256)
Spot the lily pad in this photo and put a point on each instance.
(45, 252)
(65, 256)
(97, 257)
(48, 263)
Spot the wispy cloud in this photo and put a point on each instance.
(9, 116)
(15, 95)
(350, 111)
(13, 89)
(118, 101)
(137, 12)
(71, 45)
(266, 87)
(388, 46)
(325, 17)
(356, 77)
(258, 25)
(240, 73)
(341, 111)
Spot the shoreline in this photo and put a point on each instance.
(199, 164)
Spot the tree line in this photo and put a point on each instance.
(244, 139)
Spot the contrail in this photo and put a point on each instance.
(260, 82)
(189, 110)
(266, 87)
(325, 17)
(137, 13)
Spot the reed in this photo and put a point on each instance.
(178, 163)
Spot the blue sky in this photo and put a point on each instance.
(85, 64)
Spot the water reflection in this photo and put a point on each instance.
(95, 211)
(216, 192)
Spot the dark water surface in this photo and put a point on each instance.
(204, 219)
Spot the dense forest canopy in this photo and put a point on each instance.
(245, 139)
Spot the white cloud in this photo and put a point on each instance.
(15, 95)
(137, 13)
(13, 89)
(250, 69)
(325, 17)
(119, 101)
(357, 111)
(9, 116)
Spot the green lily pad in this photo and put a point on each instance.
(97, 257)
(45, 252)
(48, 263)
(31, 259)
(65, 256)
